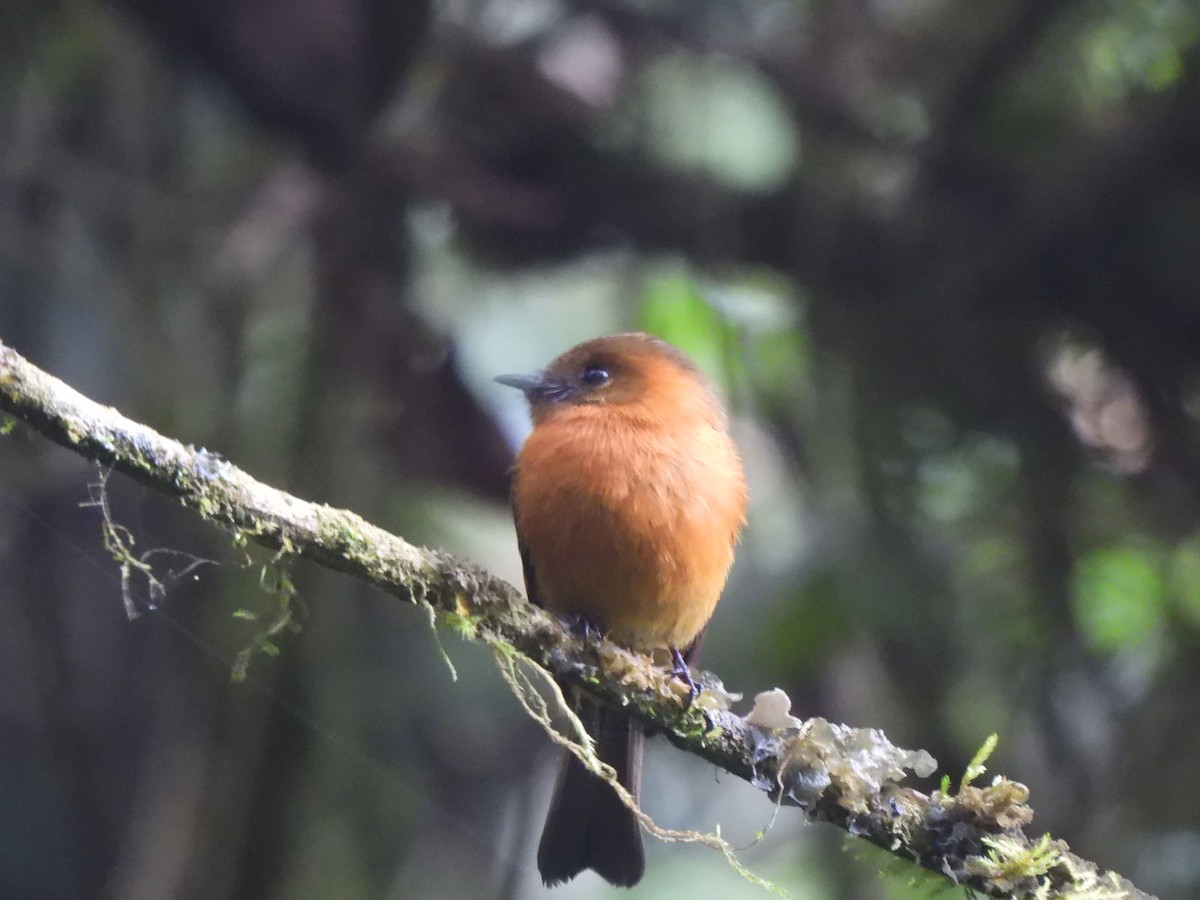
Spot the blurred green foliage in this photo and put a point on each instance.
(715, 115)
(1138, 47)
(1120, 597)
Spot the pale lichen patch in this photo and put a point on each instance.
(803, 760)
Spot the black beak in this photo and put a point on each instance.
(529, 385)
(538, 387)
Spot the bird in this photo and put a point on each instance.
(628, 497)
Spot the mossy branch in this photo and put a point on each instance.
(847, 777)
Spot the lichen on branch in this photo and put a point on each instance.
(845, 776)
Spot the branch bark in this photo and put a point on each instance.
(847, 777)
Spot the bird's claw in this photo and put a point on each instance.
(680, 669)
(581, 626)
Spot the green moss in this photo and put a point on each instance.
(465, 626)
(1086, 884)
(74, 435)
(976, 766)
(340, 535)
(275, 579)
(694, 725)
(1010, 861)
(205, 504)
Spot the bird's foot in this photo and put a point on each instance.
(680, 669)
(581, 626)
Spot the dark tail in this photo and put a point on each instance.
(588, 827)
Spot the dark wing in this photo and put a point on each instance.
(531, 588)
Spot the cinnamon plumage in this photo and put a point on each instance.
(628, 497)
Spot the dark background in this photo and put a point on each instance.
(942, 257)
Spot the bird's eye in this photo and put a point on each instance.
(594, 376)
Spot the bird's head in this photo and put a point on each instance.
(633, 374)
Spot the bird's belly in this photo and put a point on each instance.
(647, 574)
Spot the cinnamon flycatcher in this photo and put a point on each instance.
(628, 498)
